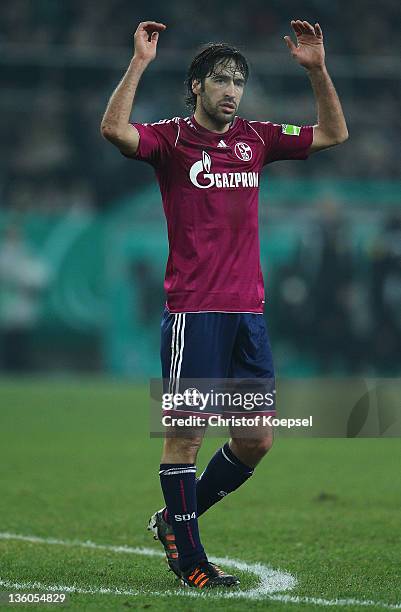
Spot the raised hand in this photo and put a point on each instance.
(145, 40)
(309, 50)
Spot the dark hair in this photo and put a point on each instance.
(204, 64)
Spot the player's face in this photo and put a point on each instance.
(221, 92)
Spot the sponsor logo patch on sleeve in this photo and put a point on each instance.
(290, 130)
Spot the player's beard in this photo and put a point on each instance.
(216, 114)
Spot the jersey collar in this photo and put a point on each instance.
(200, 128)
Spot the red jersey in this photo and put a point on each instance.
(209, 185)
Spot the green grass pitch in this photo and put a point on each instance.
(77, 463)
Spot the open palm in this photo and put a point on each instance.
(309, 50)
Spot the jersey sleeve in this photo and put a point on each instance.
(156, 141)
(284, 141)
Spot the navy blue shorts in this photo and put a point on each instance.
(215, 345)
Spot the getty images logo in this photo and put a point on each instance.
(222, 180)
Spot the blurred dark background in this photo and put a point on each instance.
(82, 234)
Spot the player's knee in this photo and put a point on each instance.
(261, 446)
(264, 445)
(253, 449)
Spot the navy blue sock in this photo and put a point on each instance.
(178, 482)
(223, 474)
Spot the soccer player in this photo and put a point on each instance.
(208, 166)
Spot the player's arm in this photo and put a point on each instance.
(115, 125)
(331, 128)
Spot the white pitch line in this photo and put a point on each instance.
(149, 552)
(317, 601)
(62, 588)
(271, 581)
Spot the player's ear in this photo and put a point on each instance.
(196, 86)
